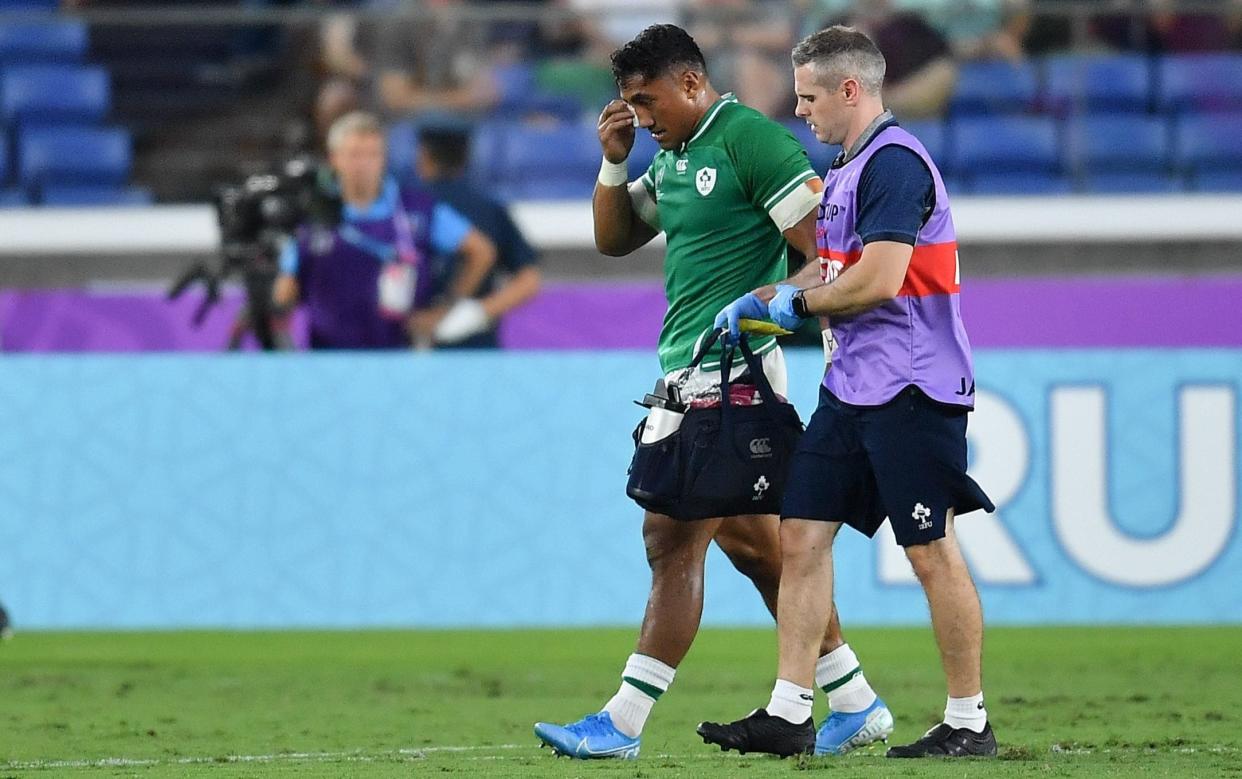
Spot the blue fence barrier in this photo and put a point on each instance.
(487, 489)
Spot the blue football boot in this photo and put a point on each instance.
(843, 732)
(593, 736)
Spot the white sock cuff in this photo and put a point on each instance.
(834, 666)
(649, 670)
(791, 702)
(966, 712)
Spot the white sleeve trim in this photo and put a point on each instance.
(644, 204)
(790, 209)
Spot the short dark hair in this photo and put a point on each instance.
(842, 52)
(654, 52)
(449, 147)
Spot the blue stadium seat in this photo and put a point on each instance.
(644, 151)
(1023, 183)
(402, 147)
(1207, 142)
(1004, 145)
(1218, 180)
(94, 195)
(994, 87)
(1091, 83)
(487, 151)
(73, 155)
(47, 93)
(62, 41)
(932, 136)
(1203, 82)
(13, 198)
(544, 162)
(1120, 143)
(519, 91)
(4, 158)
(1132, 183)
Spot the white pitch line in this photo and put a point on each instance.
(291, 757)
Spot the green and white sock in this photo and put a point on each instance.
(643, 681)
(839, 674)
(966, 713)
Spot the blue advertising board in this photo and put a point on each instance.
(488, 490)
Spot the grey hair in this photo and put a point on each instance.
(352, 123)
(840, 52)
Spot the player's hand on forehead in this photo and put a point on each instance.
(618, 112)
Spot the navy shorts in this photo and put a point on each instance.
(905, 460)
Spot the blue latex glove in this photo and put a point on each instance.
(748, 306)
(780, 309)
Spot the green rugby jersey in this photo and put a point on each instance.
(719, 200)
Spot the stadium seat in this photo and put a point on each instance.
(520, 95)
(402, 147)
(94, 195)
(4, 158)
(990, 87)
(1209, 142)
(1090, 83)
(1102, 144)
(545, 162)
(487, 151)
(1019, 183)
(63, 41)
(1218, 180)
(1132, 183)
(13, 198)
(932, 136)
(77, 155)
(1003, 145)
(54, 93)
(644, 151)
(1202, 82)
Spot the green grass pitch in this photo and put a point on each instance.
(1065, 702)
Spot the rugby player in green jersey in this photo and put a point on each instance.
(731, 190)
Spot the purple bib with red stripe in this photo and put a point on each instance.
(915, 338)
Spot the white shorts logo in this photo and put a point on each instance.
(761, 487)
(922, 515)
(705, 181)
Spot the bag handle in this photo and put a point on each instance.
(764, 386)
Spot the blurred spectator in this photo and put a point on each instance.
(443, 151)
(748, 44)
(434, 65)
(921, 71)
(973, 29)
(368, 283)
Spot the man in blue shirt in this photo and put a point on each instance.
(368, 283)
(443, 150)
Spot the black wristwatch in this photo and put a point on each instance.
(799, 304)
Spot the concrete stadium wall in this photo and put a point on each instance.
(487, 490)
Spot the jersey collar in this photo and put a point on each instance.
(701, 127)
(380, 208)
(880, 123)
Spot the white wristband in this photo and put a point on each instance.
(613, 174)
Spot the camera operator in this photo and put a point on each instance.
(368, 282)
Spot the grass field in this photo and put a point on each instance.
(1065, 703)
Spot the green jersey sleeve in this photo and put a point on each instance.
(772, 166)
